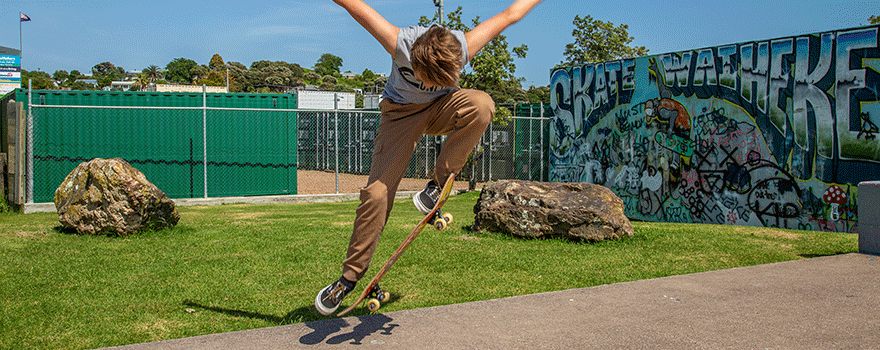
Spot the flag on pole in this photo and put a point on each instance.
(24, 17)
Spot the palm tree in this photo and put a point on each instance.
(142, 81)
(152, 74)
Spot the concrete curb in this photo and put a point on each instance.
(281, 199)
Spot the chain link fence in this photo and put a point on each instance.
(197, 148)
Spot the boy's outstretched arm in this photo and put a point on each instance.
(483, 33)
(373, 22)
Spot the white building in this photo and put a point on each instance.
(122, 85)
(324, 99)
(191, 88)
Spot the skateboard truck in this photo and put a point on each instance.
(377, 297)
(441, 220)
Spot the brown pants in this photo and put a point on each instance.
(463, 115)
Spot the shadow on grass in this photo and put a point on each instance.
(147, 232)
(329, 330)
(64, 230)
(810, 256)
(303, 314)
(300, 315)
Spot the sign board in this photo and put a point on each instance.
(10, 73)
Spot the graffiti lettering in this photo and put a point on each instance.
(743, 133)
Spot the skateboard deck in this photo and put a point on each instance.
(439, 222)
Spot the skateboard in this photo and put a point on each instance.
(440, 222)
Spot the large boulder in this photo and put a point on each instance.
(110, 197)
(579, 211)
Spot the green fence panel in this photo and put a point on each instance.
(532, 135)
(159, 143)
(249, 152)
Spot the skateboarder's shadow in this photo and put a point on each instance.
(369, 324)
(304, 314)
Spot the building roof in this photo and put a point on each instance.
(9, 51)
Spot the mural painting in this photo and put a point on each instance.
(773, 133)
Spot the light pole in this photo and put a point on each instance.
(439, 4)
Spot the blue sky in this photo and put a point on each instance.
(133, 34)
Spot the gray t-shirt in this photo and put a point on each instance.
(402, 86)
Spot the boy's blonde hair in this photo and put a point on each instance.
(437, 57)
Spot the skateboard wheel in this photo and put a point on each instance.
(383, 296)
(373, 305)
(440, 224)
(447, 217)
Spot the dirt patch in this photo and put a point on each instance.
(29, 234)
(781, 234)
(322, 182)
(772, 233)
(249, 215)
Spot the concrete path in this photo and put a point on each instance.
(820, 303)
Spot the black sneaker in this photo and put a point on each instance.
(427, 198)
(330, 297)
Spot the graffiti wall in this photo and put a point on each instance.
(774, 133)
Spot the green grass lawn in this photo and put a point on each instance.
(234, 267)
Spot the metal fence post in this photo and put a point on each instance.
(541, 148)
(336, 136)
(205, 138)
(491, 142)
(531, 144)
(484, 155)
(348, 142)
(30, 145)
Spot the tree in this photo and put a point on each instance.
(368, 75)
(296, 70)
(60, 77)
(179, 70)
(216, 63)
(331, 79)
(108, 69)
(328, 64)
(141, 83)
(152, 73)
(41, 80)
(238, 81)
(598, 41)
(72, 77)
(312, 78)
(276, 76)
(327, 86)
(874, 19)
(539, 94)
(213, 78)
(378, 84)
(237, 65)
(105, 73)
(81, 85)
(199, 72)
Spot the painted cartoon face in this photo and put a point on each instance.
(650, 111)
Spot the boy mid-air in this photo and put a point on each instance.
(421, 97)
